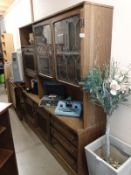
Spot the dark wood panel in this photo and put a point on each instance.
(72, 162)
(2, 129)
(5, 154)
(65, 131)
(8, 164)
(43, 123)
(65, 143)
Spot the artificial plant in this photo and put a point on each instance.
(107, 86)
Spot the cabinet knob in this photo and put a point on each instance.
(72, 150)
(71, 138)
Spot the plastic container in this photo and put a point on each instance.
(2, 79)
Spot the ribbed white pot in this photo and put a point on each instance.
(97, 166)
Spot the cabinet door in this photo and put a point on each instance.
(65, 141)
(43, 123)
(43, 41)
(67, 49)
(19, 100)
(30, 111)
(29, 61)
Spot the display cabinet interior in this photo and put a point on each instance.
(67, 49)
(44, 48)
(69, 91)
(26, 35)
(29, 60)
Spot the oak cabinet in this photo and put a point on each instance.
(66, 45)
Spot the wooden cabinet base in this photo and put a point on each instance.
(69, 154)
(8, 165)
(5, 154)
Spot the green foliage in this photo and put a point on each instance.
(107, 86)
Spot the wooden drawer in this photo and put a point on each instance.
(65, 131)
(29, 106)
(20, 102)
(68, 158)
(29, 101)
(30, 111)
(64, 142)
(43, 123)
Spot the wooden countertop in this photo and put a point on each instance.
(4, 107)
(74, 123)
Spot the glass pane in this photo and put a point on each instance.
(44, 49)
(67, 44)
(61, 67)
(28, 58)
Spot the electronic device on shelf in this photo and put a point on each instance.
(53, 87)
(69, 108)
(17, 66)
(49, 100)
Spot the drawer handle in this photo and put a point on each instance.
(72, 150)
(71, 138)
(73, 162)
(52, 131)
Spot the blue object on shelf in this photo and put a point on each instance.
(69, 108)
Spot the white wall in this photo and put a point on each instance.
(20, 15)
(43, 8)
(121, 51)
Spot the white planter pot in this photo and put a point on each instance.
(97, 166)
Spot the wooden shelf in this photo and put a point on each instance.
(2, 129)
(34, 97)
(72, 122)
(5, 154)
(7, 45)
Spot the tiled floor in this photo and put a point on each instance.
(32, 156)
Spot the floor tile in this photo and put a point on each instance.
(38, 161)
(23, 136)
